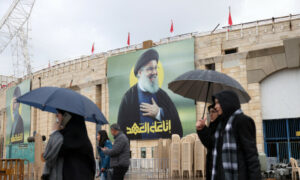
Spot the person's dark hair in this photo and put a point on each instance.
(229, 102)
(44, 138)
(115, 127)
(103, 137)
(61, 111)
(211, 107)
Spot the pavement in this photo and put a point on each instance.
(142, 177)
(136, 177)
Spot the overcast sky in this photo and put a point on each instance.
(64, 29)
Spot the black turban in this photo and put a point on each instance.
(17, 92)
(145, 58)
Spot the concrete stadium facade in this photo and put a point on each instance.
(249, 52)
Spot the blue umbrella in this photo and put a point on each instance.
(52, 98)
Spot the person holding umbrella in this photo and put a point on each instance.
(234, 152)
(77, 150)
(206, 135)
(69, 152)
(72, 109)
(233, 144)
(53, 164)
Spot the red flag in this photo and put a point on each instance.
(229, 18)
(93, 48)
(172, 27)
(128, 39)
(49, 64)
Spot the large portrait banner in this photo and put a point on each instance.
(18, 123)
(139, 98)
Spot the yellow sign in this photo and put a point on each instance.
(297, 133)
(156, 127)
(16, 137)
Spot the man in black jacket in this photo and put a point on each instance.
(233, 146)
(119, 154)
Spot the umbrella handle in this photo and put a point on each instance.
(206, 99)
(204, 111)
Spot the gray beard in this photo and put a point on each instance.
(147, 85)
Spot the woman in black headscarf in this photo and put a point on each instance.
(206, 135)
(233, 148)
(77, 150)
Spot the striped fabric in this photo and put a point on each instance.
(229, 150)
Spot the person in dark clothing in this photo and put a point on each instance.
(104, 141)
(206, 135)
(234, 151)
(77, 150)
(53, 162)
(119, 154)
(146, 110)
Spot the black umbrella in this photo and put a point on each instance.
(200, 85)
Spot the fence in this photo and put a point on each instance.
(281, 140)
(280, 150)
(149, 168)
(13, 169)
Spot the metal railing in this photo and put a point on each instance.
(148, 168)
(281, 139)
(14, 169)
(281, 150)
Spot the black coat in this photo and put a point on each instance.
(77, 151)
(129, 112)
(207, 138)
(245, 133)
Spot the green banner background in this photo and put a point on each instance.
(176, 58)
(20, 151)
(24, 111)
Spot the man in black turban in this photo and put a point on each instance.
(146, 111)
(17, 129)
